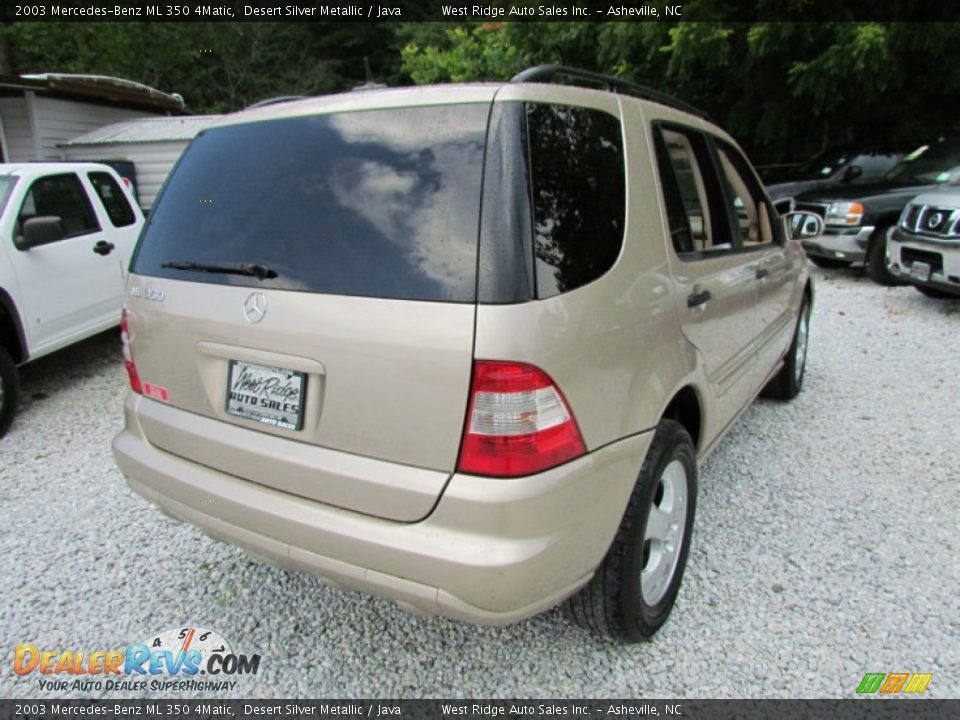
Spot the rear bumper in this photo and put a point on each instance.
(493, 551)
(837, 246)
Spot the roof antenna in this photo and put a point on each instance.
(370, 84)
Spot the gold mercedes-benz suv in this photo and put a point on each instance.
(460, 346)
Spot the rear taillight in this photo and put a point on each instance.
(518, 422)
(128, 355)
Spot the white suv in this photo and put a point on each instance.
(67, 232)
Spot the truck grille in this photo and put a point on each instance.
(931, 220)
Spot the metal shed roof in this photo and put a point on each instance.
(95, 87)
(145, 130)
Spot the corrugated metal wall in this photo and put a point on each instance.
(57, 121)
(62, 120)
(16, 129)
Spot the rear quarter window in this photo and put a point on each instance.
(380, 203)
(578, 194)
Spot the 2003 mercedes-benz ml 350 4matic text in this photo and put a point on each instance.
(460, 346)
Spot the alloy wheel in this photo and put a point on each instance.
(664, 535)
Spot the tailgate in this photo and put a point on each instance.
(309, 284)
(380, 380)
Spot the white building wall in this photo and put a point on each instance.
(16, 129)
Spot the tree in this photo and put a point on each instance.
(467, 53)
(784, 89)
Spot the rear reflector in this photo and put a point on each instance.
(155, 391)
(518, 422)
(128, 355)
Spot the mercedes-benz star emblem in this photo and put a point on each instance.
(255, 307)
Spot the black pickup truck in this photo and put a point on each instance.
(838, 166)
(859, 217)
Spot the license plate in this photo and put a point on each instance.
(269, 395)
(920, 271)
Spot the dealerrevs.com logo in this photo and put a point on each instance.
(170, 660)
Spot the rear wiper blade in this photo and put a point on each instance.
(260, 272)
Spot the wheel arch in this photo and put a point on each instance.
(12, 336)
(686, 408)
(888, 218)
(883, 224)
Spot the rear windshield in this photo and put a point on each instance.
(382, 203)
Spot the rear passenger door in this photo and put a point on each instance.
(716, 281)
(764, 253)
(120, 217)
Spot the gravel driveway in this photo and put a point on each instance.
(826, 546)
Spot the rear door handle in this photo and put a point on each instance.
(698, 298)
(103, 247)
(762, 273)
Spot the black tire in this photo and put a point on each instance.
(613, 603)
(9, 391)
(877, 259)
(828, 263)
(937, 294)
(788, 383)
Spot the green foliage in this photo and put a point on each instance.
(497, 51)
(480, 52)
(784, 89)
(567, 43)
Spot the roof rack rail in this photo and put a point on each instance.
(585, 78)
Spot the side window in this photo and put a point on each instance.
(62, 196)
(750, 213)
(113, 199)
(692, 197)
(678, 214)
(578, 192)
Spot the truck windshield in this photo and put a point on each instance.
(824, 164)
(930, 163)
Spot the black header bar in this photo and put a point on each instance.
(670, 11)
